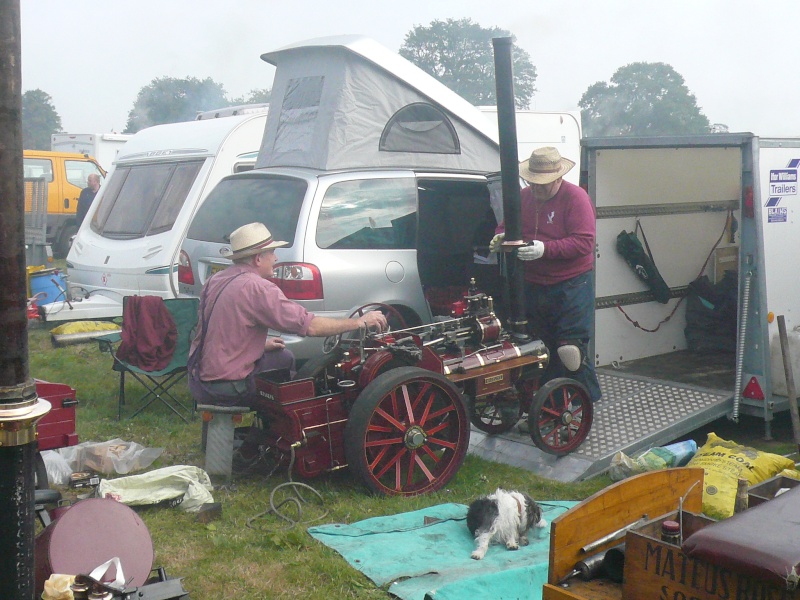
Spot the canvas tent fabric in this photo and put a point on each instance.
(348, 102)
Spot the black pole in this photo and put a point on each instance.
(509, 171)
(20, 409)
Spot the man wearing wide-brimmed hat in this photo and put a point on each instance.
(238, 307)
(558, 224)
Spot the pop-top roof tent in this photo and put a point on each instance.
(348, 102)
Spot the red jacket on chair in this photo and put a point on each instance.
(149, 333)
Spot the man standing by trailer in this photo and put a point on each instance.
(558, 224)
(87, 197)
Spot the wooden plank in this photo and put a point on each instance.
(621, 504)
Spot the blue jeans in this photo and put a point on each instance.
(562, 314)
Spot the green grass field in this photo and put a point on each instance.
(245, 558)
(227, 558)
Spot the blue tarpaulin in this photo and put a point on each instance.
(425, 555)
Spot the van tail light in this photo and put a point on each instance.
(298, 281)
(749, 208)
(185, 274)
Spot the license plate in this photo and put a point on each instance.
(215, 269)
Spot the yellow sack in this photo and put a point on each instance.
(724, 462)
(85, 327)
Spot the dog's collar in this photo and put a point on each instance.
(519, 505)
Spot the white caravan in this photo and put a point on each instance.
(535, 129)
(129, 241)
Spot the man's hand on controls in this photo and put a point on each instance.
(532, 251)
(374, 320)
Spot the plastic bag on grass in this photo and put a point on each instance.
(114, 456)
(654, 459)
(58, 469)
(180, 485)
(724, 462)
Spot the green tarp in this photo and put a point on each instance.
(425, 554)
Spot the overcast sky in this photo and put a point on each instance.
(739, 58)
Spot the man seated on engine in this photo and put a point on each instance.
(238, 307)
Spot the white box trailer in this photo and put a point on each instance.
(103, 147)
(706, 204)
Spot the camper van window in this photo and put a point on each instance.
(78, 172)
(369, 214)
(38, 167)
(134, 195)
(299, 112)
(246, 198)
(420, 128)
(174, 197)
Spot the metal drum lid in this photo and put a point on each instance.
(92, 532)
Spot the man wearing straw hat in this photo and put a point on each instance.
(558, 224)
(238, 306)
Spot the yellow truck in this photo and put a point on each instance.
(60, 176)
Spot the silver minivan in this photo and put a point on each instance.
(405, 238)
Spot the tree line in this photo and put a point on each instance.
(640, 98)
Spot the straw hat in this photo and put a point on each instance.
(544, 166)
(250, 239)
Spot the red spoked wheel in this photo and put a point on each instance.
(408, 432)
(560, 416)
(497, 413)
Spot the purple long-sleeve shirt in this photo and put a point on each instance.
(566, 225)
(248, 308)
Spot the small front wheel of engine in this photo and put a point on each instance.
(560, 416)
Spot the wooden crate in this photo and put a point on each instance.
(766, 490)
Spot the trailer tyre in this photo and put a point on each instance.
(560, 416)
(62, 246)
(408, 432)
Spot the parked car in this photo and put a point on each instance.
(355, 237)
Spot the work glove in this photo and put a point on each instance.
(494, 245)
(532, 251)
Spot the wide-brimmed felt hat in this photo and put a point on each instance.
(544, 166)
(250, 239)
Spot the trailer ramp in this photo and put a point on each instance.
(634, 414)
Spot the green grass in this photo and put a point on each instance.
(229, 559)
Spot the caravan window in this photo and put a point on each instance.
(274, 201)
(144, 199)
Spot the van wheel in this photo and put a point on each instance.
(61, 248)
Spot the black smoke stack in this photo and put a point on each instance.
(509, 172)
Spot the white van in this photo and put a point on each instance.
(129, 242)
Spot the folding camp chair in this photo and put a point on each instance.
(158, 383)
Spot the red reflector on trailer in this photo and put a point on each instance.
(749, 206)
(753, 390)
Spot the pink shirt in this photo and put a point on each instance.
(566, 225)
(248, 307)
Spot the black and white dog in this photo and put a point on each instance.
(502, 517)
